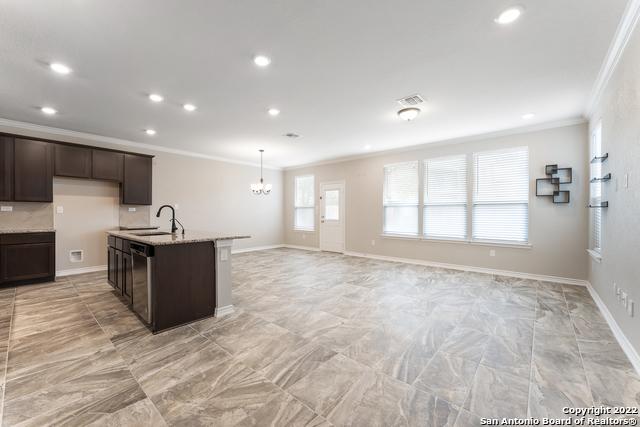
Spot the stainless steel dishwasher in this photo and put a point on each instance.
(141, 257)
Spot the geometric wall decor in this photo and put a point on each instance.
(550, 186)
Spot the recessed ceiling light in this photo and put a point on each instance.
(189, 107)
(48, 110)
(156, 98)
(528, 116)
(59, 68)
(273, 111)
(150, 132)
(408, 114)
(367, 147)
(261, 60)
(510, 15)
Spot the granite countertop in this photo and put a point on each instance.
(31, 230)
(172, 239)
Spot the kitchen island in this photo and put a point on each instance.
(170, 279)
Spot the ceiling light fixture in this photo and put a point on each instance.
(48, 111)
(261, 187)
(189, 107)
(273, 111)
(156, 98)
(367, 147)
(408, 114)
(528, 116)
(261, 60)
(59, 68)
(150, 132)
(510, 15)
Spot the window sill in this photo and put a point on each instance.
(597, 256)
(304, 230)
(460, 241)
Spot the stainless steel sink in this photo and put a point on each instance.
(152, 233)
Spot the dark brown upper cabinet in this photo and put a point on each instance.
(72, 161)
(33, 171)
(6, 168)
(136, 186)
(107, 165)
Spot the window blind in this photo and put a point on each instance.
(596, 190)
(445, 198)
(501, 195)
(304, 205)
(400, 198)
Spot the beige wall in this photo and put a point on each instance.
(619, 111)
(212, 196)
(557, 233)
(90, 208)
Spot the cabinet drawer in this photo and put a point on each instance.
(118, 243)
(19, 238)
(126, 246)
(111, 241)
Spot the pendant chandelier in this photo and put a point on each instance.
(261, 187)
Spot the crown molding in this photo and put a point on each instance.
(17, 125)
(470, 138)
(616, 49)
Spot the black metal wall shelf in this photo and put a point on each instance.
(550, 186)
(600, 159)
(607, 177)
(601, 205)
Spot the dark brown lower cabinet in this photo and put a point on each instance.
(27, 258)
(119, 273)
(111, 266)
(127, 278)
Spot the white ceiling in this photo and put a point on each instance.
(338, 67)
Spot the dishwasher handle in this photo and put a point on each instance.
(142, 250)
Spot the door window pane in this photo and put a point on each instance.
(332, 205)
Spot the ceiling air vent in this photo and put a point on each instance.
(292, 135)
(411, 100)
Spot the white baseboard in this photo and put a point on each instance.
(223, 311)
(508, 273)
(81, 270)
(626, 345)
(256, 248)
(304, 248)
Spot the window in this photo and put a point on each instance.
(304, 206)
(400, 198)
(445, 198)
(501, 195)
(596, 190)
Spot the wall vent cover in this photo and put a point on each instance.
(411, 100)
(76, 255)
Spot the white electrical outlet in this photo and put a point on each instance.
(304, 236)
(176, 206)
(630, 307)
(492, 252)
(626, 180)
(224, 254)
(623, 299)
(59, 209)
(6, 208)
(132, 209)
(373, 242)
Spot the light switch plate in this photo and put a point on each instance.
(492, 252)
(132, 209)
(59, 209)
(6, 208)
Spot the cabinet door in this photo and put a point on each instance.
(118, 275)
(6, 168)
(127, 277)
(27, 261)
(136, 187)
(107, 165)
(111, 266)
(72, 161)
(33, 171)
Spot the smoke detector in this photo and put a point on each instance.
(411, 100)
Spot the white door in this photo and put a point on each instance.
(332, 216)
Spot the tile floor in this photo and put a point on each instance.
(318, 339)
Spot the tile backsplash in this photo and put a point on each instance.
(26, 216)
(141, 216)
